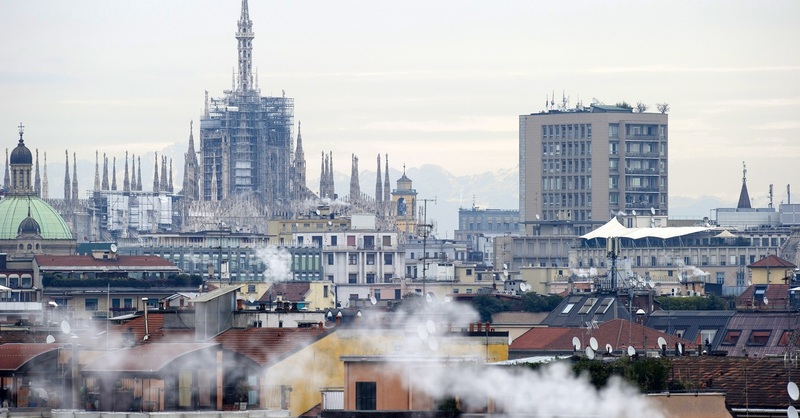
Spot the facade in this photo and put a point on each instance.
(478, 226)
(246, 142)
(584, 165)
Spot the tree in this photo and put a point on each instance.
(662, 107)
(623, 104)
(708, 302)
(641, 107)
(486, 305)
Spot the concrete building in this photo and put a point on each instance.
(584, 165)
(478, 226)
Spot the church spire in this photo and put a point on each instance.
(245, 37)
(378, 184)
(45, 189)
(299, 166)
(7, 179)
(114, 173)
(67, 192)
(139, 174)
(74, 177)
(387, 187)
(105, 173)
(744, 197)
(37, 182)
(126, 181)
(155, 176)
(133, 172)
(190, 169)
(96, 171)
(355, 188)
(164, 184)
(170, 187)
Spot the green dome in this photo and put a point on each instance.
(14, 209)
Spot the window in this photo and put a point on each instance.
(115, 303)
(366, 393)
(351, 240)
(251, 288)
(334, 240)
(91, 305)
(330, 259)
(378, 294)
(387, 240)
(352, 259)
(759, 337)
(325, 291)
(352, 278)
(731, 337)
(567, 308)
(388, 259)
(720, 277)
(707, 335)
(587, 306)
(371, 259)
(370, 277)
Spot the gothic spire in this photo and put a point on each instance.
(164, 183)
(245, 37)
(170, 187)
(37, 182)
(299, 166)
(139, 174)
(96, 171)
(155, 176)
(355, 188)
(126, 181)
(7, 179)
(133, 172)
(387, 187)
(190, 169)
(67, 192)
(378, 184)
(74, 177)
(114, 173)
(744, 197)
(105, 185)
(214, 184)
(45, 192)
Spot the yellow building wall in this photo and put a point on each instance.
(316, 299)
(319, 364)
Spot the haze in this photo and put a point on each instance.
(426, 82)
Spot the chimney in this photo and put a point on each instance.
(146, 325)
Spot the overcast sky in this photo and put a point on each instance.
(428, 82)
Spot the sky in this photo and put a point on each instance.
(439, 82)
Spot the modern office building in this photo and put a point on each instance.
(582, 166)
(477, 227)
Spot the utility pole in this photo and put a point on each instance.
(426, 229)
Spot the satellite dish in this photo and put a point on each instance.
(65, 328)
(590, 353)
(113, 248)
(766, 301)
(422, 332)
(652, 210)
(661, 342)
(537, 216)
(317, 212)
(373, 300)
(633, 212)
(428, 298)
(794, 392)
(433, 343)
(631, 351)
(680, 349)
(593, 343)
(50, 339)
(329, 315)
(576, 343)
(791, 412)
(431, 327)
(609, 349)
(330, 223)
(251, 299)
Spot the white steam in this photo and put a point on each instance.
(552, 391)
(278, 263)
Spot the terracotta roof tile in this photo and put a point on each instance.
(268, 345)
(131, 262)
(772, 261)
(13, 356)
(147, 358)
(289, 291)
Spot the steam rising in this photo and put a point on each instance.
(278, 262)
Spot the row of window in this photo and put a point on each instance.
(567, 166)
(571, 131)
(352, 259)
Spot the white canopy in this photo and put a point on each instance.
(613, 229)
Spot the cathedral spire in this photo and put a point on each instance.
(245, 36)
(126, 181)
(156, 189)
(45, 192)
(164, 183)
(37, 182)
(139, 174)
(355, 188)
(74, 177)
(378, 184)
(170, 187)
(387, 187)
(299, 166)
(190, 169)
(114, 173)
(105, 173)
(133, 172)
(67, 192)
(96, 171)
(7, 179)
(744, 197)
